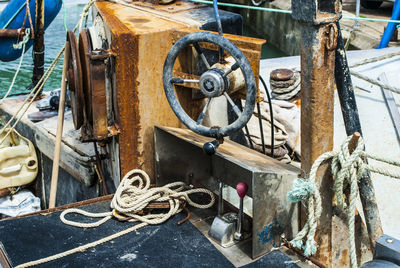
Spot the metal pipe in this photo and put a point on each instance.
(357, 14)
(352, 124)
(11, 33)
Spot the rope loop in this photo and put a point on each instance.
(132, 196)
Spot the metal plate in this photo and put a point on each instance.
(85, 49)
(74, 77)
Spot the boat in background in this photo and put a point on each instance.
(15, 16)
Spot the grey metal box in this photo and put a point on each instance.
(179, 157)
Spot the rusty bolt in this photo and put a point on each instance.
(281, 74)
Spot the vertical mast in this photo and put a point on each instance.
(38, 45)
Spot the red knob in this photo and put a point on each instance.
(241, 189)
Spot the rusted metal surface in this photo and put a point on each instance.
(141, 36)
(11, 33)
(99, 108)
(93, 64)
(281, 74)
(85, 49)
(319, 41)
(74, 77)
(317, 85)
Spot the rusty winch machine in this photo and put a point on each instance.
(159, 91)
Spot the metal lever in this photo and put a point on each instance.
(241, 189)
(220, 200)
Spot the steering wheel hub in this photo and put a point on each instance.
(212, 83)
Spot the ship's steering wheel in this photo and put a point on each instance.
(212, 83)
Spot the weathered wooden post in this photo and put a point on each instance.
(317, 51)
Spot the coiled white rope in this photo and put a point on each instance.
(347, 169)
(132, 196)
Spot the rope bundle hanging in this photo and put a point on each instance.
(347, 169)
(132, 196)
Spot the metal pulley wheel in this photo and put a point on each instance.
(85, 50)
(212, 83)
(74, 77)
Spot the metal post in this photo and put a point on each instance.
(38, 44)
(352, 124)
(357, 13)
(317, 52)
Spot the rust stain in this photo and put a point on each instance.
(138, 20)
(140, 42)
(126, 44)
(344, 258)
(317, 86)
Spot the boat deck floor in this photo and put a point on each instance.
(166, 245)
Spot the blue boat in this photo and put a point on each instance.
(13, 17)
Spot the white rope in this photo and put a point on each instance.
(375, 59)
(376, 82)
(132, 196)
(18, 46)
(373, 81)
(347, 169)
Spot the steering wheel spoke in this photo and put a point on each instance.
(181, 80)
(203, 112)
(201, 54)
(234, 67)
(234, 106)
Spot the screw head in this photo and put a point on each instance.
(389, 240)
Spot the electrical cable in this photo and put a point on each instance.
(261, 127)
(271, 115)
(246, 128)
(219, 27)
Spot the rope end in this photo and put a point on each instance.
(301, 189)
